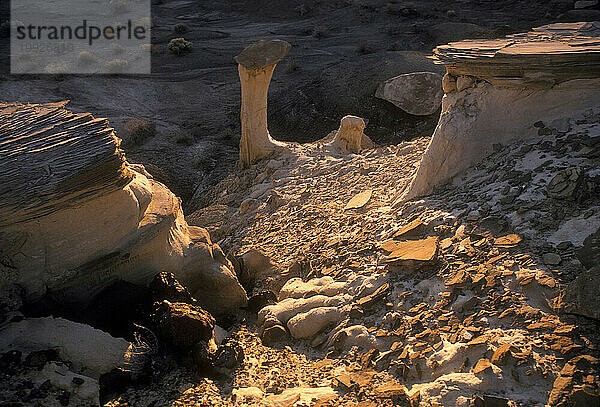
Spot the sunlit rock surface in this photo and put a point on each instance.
(76, 217)
(497, 89)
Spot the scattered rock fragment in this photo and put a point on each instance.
(567, 184)
(413, 229)
(414, 253)
(359, 200)
(577, 384)
(551, 259)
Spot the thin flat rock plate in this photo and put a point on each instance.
(359, 200)
(508, 240)
(416, 250)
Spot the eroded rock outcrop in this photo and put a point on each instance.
(76, 217)
(497, 89)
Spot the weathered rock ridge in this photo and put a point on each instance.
(77, 217)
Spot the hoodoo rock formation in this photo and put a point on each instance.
(497, 89)
(256, 64)
(76, 216)
(349, 137)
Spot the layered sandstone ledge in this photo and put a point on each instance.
(495, 90)
(77, 217)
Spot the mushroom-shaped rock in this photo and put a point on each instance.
(503, 87)
(256, 64)
(349, 136)
(418, 93)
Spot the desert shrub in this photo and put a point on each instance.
(86, 58)
(180, 28)
(303, 9)
(56, 68)
(120, 6)
(139, 131)
(116, 66)
(292, 65)
(364, 47)
(319, 32)
(180, 46)
(117, 49)
(185, 139)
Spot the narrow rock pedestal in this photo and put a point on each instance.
(256, 65)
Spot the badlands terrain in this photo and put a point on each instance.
(447, 259)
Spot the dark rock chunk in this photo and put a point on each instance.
(581, 296)
(37, 359)
(10, 358)
(183, 325)
(229, 355)
(273, 334)
(63, 398)
(260, 300)
(589, 254)
(490, 401)
(203, 358)
(577, 384)
(166, 287)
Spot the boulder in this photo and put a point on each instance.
(183, 325)
(88, 219)
(581, 295)
(90, 351)
(308, 324)
(414, 253)
(589, 253)
(418, 93)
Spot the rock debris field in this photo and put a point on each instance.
(483, 308)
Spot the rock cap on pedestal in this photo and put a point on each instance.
(551, 53)
(263, 53)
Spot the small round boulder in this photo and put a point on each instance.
(418, 93)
